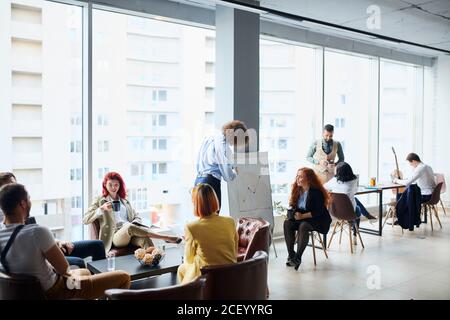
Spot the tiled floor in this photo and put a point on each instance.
(415, 265)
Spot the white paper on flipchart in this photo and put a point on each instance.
(250, 194)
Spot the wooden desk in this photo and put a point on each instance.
(379, 190)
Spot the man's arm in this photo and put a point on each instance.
(46, 244)
(340, 153)
(407, 182)
(223, 156)
(57, 260)
(310, 155)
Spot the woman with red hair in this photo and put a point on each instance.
(121, 226)
(210, 240)
(308, 212)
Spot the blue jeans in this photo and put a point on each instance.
(213, 182)
(358, 212)
(84, 249)
(362, 210)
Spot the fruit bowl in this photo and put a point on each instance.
(149, 257)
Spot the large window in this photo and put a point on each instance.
(290, 109)
(351, 103)
(153, 92)
(150, 98)
(40, 135)
(400, 112)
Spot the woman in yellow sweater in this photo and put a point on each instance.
(211, 240)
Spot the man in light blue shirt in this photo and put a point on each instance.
(214, 160)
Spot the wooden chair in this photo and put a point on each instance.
(430, 205)
(315, 234)
(391, 213)
(342, 209)
(440, 177)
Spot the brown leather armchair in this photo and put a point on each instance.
(20, 287)
(95, 231)
(254, 235)
(189, 291)
(246, 280)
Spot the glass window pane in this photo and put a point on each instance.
(290, 109)
(401, 102)
(140, 89)
(351, 90)
(45, 44)
(351, 105)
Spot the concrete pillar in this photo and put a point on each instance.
(237, 68)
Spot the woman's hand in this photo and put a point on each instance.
(298, 216)
(106, 207)
(176, 240)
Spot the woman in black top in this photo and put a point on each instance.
(308, 205)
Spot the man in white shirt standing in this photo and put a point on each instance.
(214, 160)
(422, 175)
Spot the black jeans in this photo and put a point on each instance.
(291, 227)
(213, 182)
(84, 249)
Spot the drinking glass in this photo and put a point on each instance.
(111, 261)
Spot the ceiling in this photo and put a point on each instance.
(425, 22)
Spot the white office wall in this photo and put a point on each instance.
(437, 119)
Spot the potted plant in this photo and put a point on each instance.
(279, 209)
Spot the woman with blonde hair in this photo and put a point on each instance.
(308, 212)
(210, 240)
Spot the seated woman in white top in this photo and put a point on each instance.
(346, 182)
(422, 175)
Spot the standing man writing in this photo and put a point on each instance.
(323, 152)
(214, 160)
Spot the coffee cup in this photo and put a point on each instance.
(116, 205)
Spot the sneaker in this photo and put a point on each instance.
(371, 217)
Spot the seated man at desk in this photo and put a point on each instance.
(422, 175)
